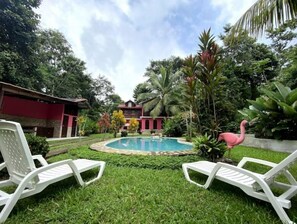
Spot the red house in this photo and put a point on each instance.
(40, 113)
(146, 122)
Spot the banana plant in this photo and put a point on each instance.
(274, 113)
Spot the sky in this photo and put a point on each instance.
(119, 38)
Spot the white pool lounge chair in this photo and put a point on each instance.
(23, 172)
(254, 184)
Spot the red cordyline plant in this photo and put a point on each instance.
(208, 71)
(104, 123)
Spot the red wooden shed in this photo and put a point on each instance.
(42, 114)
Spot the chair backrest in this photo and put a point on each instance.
(15, 151)
(284, 164)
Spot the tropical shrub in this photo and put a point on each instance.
(81, 121)
(175, 126)
(90, 127)
(133, 125)
(38, 145)
(117, 121)
(274, 113)
(124, 133)
(209, 147)
(104, 123)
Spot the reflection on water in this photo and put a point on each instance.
(149, 144)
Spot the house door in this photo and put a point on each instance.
(73, 130)
(64, 126)
(147, 124)
(155, 124)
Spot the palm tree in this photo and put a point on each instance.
(161, 97)
(266, 14)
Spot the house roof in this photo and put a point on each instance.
(13, 90)
(134, 105)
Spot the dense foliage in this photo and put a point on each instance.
(91, 127)
(117, 121)
(104, 123)
(175, 127)
(18, 25)
(124, 133)
(38, 145)
(274, 113)
(133, 125)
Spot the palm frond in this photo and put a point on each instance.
(150, 104)
(155, 82)
(157, 109)
(266, 14)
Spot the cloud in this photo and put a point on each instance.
(116, 38)
(119, 38)
(231, 10)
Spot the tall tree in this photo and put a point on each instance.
(111, 102)
(285, 48)
(64, 74)
(173, 63)
(102, 97)
(282, 38)
(58, 64)
(102, 87)
(18, 62)
(246, 63)
(266, 14)
(140, 88)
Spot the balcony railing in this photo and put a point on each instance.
(136, 115)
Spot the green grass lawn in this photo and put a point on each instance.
(73, 143)
(147, 189)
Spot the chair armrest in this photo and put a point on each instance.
(68, 162)
(23, 184)
(35, 172)
(40, 159)
(2, 165)
(258, 161)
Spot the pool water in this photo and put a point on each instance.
(149, 144)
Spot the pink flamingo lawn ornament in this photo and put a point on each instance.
(233, 139)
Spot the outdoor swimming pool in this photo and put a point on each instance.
(149, 144)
